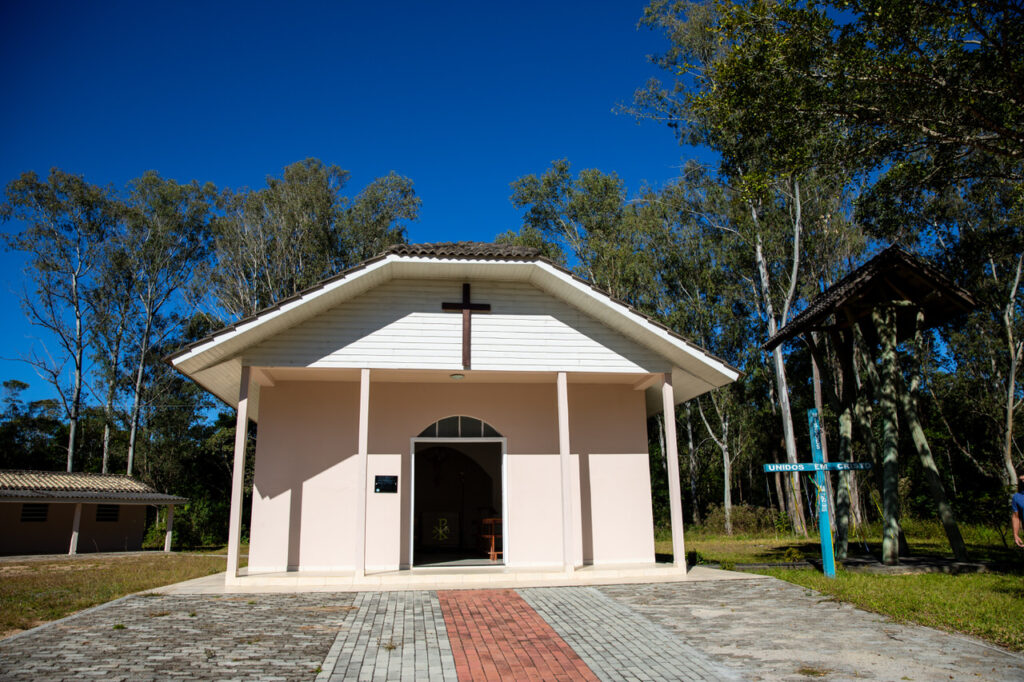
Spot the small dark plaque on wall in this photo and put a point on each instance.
(385, 484)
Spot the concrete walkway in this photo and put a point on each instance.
(752, 629)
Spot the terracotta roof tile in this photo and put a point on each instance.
(468, 250)
(62, 484)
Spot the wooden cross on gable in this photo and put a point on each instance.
(467, 308)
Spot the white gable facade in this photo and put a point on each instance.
(380, 449)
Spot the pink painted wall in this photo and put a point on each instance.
(608, 430)
(304, 495)
(305, 479)
(53, 536)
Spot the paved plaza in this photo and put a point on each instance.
(754, 629)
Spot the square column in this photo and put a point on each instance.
(363, 455)
(675, 497)
(73, 547)
(170, 526)
(568, 560)
(238, 475)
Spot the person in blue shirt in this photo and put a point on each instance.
(1017, 513)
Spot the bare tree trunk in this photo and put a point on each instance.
(133, 430)
(723, 446)
(908, 400)
(691, 449)
(79, 359)
(843, 398)
(779, 492)
(796, 504)
(108, 416)
(884, 318)
(817, 359)
(1015, 349)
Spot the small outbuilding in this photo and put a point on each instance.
(52, 512)
(450, 405)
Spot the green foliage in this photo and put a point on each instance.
(746, 520)
(274, 242)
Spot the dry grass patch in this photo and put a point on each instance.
(36, 591)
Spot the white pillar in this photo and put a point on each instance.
(238, 475)
(568, 559)
(170, 526)
(362, 454)
(73, 548)
(675, 498)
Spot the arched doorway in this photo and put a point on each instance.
(458, 494)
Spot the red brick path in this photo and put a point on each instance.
(495, 635)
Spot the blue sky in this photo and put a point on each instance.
(463, 98)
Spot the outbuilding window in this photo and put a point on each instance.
(34, 512)
(107, 512)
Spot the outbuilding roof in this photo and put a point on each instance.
(62, 486)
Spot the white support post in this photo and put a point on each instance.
(170, 527)
(73, 547)
(675, 498)
(568, 558)
(238, 475)
(363, 455)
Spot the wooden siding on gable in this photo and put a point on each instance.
(400, 325)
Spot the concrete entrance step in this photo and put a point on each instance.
(445, 579)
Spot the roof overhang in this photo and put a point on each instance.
(215, 362)
(85, 497)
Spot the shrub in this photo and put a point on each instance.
(746, 520)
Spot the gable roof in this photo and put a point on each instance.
(214, 363)
(892, 275)
(481, 250)
(62, 486)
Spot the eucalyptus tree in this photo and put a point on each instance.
(787, 190)
(274, 242)
(112, 307)
(65, 222)
(607, 238)
(166, 237)
(921, 98)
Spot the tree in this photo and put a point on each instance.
(66, 222)
(300, 229)
(111, 308)
(921, 99)
(605, 238)
(166, 237)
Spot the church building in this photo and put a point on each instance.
(450, 406)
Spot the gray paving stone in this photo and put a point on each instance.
(774, 630)
(392, 636)
(268, 636)
(616, 642)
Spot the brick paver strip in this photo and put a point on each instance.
(495, 635)
(391, 636)
(617, 642)
(253, 637)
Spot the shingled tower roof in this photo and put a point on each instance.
(892, 275)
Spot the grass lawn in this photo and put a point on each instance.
(34, 591)
(925, 538)
(985, 605)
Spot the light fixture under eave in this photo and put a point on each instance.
(456, 376)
